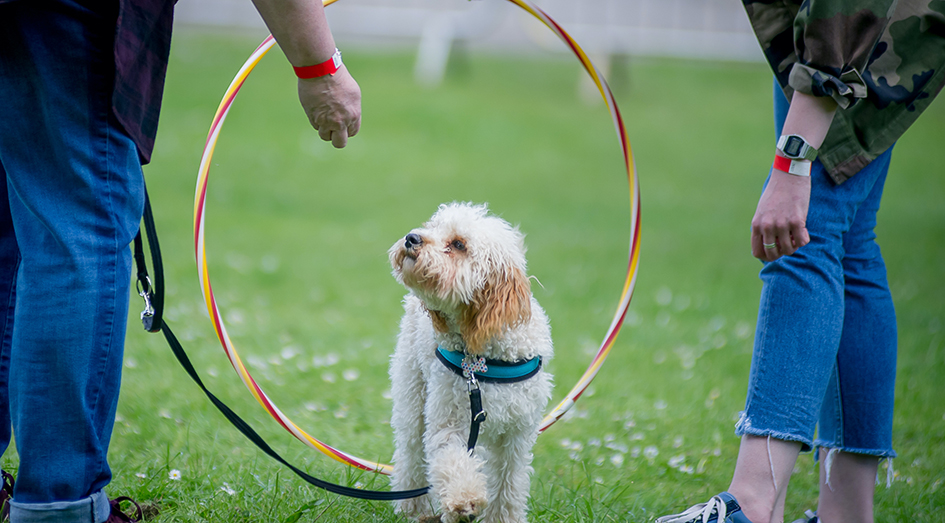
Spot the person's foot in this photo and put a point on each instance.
(722, 508)
(119, 516)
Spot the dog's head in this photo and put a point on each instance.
(468, 268)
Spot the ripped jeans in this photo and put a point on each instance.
(825, 344)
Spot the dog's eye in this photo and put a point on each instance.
(458, 245)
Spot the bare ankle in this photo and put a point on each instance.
(757, 508)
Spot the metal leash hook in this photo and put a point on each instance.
(471, 365)
(147, 315)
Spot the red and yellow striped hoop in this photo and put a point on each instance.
(217, 318)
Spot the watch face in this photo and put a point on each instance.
(793, 146)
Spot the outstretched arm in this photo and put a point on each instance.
(331, 102)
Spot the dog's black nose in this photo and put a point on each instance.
(412, 240)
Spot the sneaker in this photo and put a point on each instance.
(119, 516)
(6, 494)
(809, 517)
(720, 509)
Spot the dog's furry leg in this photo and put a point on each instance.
(509, 470)
(407, 420)
(456, 476)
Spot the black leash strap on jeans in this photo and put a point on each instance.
(153, 321)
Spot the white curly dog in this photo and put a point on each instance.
(469, 294)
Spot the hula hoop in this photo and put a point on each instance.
(217, 318)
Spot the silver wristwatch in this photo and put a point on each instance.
(795, 147)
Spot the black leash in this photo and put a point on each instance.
(153, 321)
(478, 415)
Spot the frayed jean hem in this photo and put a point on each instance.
(879, 453)
(743, 428)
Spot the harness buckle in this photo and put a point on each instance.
(475, 403)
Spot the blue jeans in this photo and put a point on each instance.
(71, 200)
(825, 344)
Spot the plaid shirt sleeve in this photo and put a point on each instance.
(142, 47)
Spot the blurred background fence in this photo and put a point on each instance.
(701, 29)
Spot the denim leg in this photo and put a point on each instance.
(857, 413)
(800, 320)
(807, 314)
(75, 198)
(9, 262)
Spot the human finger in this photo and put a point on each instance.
(354, 127)
(763, 241)
(325, 134)
(339, 138)
(801, 237)
(785, 245)
(771, 247)
(757, 250)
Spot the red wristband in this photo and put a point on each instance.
(795, 167)
(327, 67)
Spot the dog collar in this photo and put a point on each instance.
(489, 370)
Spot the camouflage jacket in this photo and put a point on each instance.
(883, 61)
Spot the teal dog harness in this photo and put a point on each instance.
(489, 370)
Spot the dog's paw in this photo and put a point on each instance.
(464, 509)
(429, 519)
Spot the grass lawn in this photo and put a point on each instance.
(297, 234)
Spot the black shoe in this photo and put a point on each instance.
(6, 494)
(119, 516)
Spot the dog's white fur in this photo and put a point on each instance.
(468, 289)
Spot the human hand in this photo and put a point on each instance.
(781, 217)
(333, 106)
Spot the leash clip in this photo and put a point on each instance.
(147, 315)
(472, 365)
(472, 384)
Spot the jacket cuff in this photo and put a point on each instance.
(845, 90)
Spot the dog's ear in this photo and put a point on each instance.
(504, 301)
